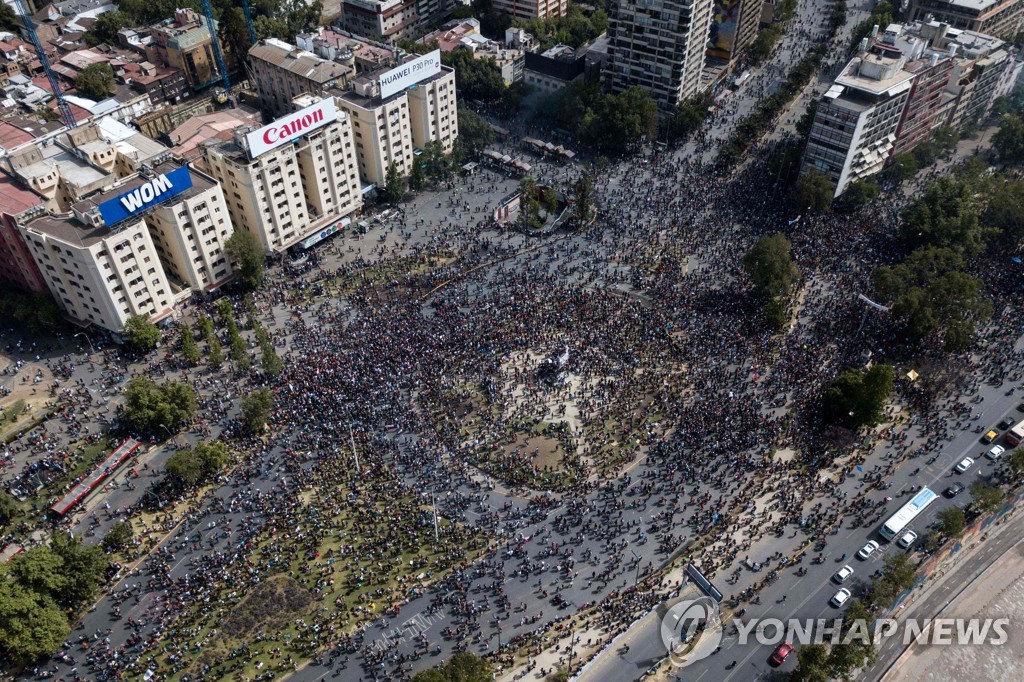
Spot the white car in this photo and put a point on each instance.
(964, 464)
(841, 597)
(907, 539)
(868, 549)
(843, 573)
(995, 452)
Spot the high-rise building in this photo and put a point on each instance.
(734, 26)
(17, 267)
(432, 111)
(532, 9)
(281, 72)
(660, 46)
(184, 42)
(383, 133)
(854, 129)
(999, 18)
(291, 179)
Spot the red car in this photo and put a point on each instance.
(781, 652)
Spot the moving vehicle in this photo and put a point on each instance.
(842, 574)
(1016, 434)
(781, 652)
(990, 436)
(868, 549)
(898, 522)
(964, 464)
(995, 452)
(841, 597)
(907, 539)
(954, 490)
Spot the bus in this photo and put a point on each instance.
(1015, 435)
(898, 522)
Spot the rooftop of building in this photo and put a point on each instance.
(300, 62)
(189, 137)
(451, 35)
(362, 48)
(12, 136)
(69, 229)
(15, 198)
(876, 74)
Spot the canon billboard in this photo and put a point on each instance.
(291, 126)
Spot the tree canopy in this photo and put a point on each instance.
(393, 190)
(143, 335)
(150, 407)
(106, 26)
(770, 266)
(95, 81)
(610, 123)
(945, 215)
(256, 409)
(813, 192)
(1008, 141)
(474, 134)
(574, 29)
(197, 463)
(462, 667)
(929, 294)
(247, 257)
(856, 398)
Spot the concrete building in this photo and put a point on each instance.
(855, 126)
(532, 9)
(18, 268)
(555, 68)
(184, 43)
(734, 26)
(382, 129)
(356, 52)
(433, 115)
(281, 72)
(660, 46)
(388, 19)
(999, 18)
(190, 232)
(465, 34)
(292, 178)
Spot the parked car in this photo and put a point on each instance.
(1006, 423)
(995, 452)
(841, 597)
(964, 464)
(781, 652)
(907, 539)
(868, 549)
(954, 490)
(989, 437)
(842, 574)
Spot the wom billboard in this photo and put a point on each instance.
(155, 191)
(410, 73)
(289, 127)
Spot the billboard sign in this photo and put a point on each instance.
(150, 193)
(289, 127)
(410, 73)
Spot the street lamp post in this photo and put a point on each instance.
(169, 434)
(88, 340)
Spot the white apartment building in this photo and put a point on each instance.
(532, 9)
(281, 72)
(660, 46)
(292, 177)
(190, 232)
(855, 126)
(100, 276)
(432, 111)
(382, 130)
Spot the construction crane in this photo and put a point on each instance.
(248, 22)
(221, 97)
(63, 109)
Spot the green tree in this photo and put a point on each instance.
(95, 81)
(1004, 211)
(901, 168)
(986, 498)
(929, 294)
(273, 365)
(40, 570)
(247, 257)
(214, 352)
(31, 624)
(118, 537)
(106, 27)
(763, 44)
(1008, 141)
(855, 399)
(188, 467)
(83, 568)
(189, 349)
(9, 19)
(858, 194)
(686, 120)
(549, 200)
(583, 199)
(952, 522)
(143, 335)
(852, 653)
(150, 408)
(394, 186)
(474, 134)
(240, 352)
(475, 79)
(417, 178)
(234, 34)
(813, 192)
(8, 507)
(770, 266)
(812, 664)
(462, 667)
(946, 215)
(256, 409)
(529, 205)
(806, 121)
(1016, 460)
